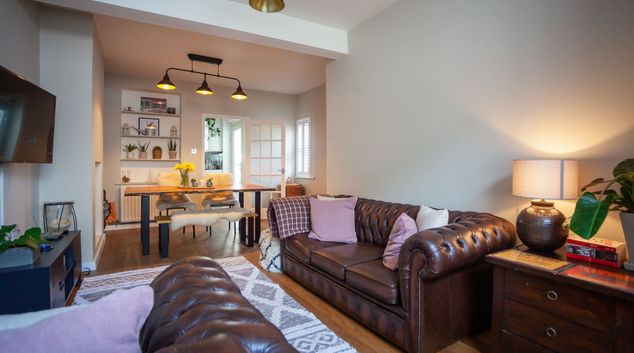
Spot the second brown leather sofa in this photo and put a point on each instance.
(441, 291)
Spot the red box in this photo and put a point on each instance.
(596, 250)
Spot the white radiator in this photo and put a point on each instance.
(130, 208)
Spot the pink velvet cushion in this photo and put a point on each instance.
(404, 227)
(333, 220)
(111, 324)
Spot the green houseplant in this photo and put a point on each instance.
(19, 250)
(129, 151)
(212, 130)
(171, 148)
(142, 147)
(616, 195)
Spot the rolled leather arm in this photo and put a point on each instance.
(441, 251)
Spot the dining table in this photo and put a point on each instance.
(146, 191)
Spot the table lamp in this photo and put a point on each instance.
(541, 226)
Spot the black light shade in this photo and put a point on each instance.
(166, 83)
(239, 94)
(267, 6)
(204, 89)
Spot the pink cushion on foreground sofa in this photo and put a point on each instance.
(404, 227)
(333, 220)
(111, 324)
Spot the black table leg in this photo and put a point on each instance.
(242, 223)
(258, 208)
(145, 224)
(164, 239)
(250, 231)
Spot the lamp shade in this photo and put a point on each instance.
(546, 179)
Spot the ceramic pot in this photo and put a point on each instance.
(627, 221)
(157, 154)
(143, 155)
(129, 155)
(20, 256)
(172, 154)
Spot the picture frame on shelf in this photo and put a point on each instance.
(153, 104)
(149, 126)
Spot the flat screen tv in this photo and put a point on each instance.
(27, 120)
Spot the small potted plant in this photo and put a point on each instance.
(142, 147)
(194, 182)
(209, 182)
(157, 152)
(19, 249)
(593, 207)
(171, 147)
(129, 151)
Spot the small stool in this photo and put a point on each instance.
(164, 234)
(250, 223)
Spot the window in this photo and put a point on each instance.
(302, 151)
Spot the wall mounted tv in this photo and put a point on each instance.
(27, 120)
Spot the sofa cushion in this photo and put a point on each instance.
(404, 227)
(334, 260)
(374, 279)
(333, 220)
(301, 246)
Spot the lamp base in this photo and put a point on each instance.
(541, 227)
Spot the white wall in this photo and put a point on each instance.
(19, 40)
(438, 97)
(260, 106)
(312, 104)
(67, 61)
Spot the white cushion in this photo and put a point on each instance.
(14, 321)
(428, 218)
(205, 218)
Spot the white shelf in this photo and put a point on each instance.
(149, 113)
(150, 160)
(150, 137)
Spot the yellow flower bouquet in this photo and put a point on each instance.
(184, 168)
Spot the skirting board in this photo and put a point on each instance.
(92, 265)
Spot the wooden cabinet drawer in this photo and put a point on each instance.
(584, 307)
(554, 332)
(516, 344)
(57, 283)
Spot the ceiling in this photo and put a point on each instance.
(145, 50)
(341, 14)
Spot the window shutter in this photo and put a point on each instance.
(303, 147)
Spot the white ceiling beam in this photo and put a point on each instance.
(225, 19)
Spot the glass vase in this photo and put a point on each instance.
(184, 178)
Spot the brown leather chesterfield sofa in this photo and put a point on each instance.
(441, 292)
(198, 308)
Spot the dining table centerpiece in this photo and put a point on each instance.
(184, 169)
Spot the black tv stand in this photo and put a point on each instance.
(48, 283)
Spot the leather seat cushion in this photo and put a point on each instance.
(374, 279)
(302, 247)
(334, 260)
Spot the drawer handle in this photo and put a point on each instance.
(551, 332)
(552, 295)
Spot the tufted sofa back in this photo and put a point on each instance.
(374, 219)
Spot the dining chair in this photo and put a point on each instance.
(173, 201)
(220, 199)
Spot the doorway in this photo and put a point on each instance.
(223, 145)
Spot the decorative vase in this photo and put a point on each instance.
(143, 155)
(157, 154)
(19, 256)
(129, 155)
(627, 221)
(172, 154)
(184, 178)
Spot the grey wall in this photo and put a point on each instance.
(313, 104)
(437, 97)
(264, 106)
(19, 40)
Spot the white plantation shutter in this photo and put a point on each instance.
(302, 153)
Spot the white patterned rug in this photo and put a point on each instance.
(300, 327)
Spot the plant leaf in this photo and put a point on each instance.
(595, 182)
(625, 167)
(590, 213)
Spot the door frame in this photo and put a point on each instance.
(245, 145)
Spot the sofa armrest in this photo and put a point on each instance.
(438, 252)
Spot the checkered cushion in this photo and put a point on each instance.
(289, 216)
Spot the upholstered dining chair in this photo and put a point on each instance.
(173, 201)
(220, 199)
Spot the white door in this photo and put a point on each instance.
(266, 157)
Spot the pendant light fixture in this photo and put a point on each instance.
(204, 89)
(267, 6)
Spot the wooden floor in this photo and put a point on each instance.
(123, 252)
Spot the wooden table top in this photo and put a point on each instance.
(157, 190)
